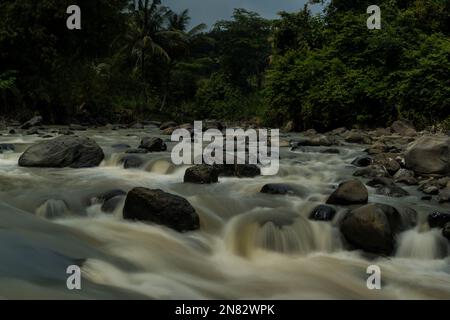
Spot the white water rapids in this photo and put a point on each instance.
(250, 245)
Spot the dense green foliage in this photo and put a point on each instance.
(320, 71)
(332, 71)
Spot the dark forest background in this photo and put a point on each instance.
(312, 71)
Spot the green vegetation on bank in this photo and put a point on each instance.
(319, 71)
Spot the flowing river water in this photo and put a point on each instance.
(250, 245)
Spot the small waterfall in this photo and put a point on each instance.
(52, 209)
(160, 166)
(113, 161)
(279, 231)
(422, 245)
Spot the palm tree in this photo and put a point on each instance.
(178, 23)
(146, 33)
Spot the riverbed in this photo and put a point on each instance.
(250, 245)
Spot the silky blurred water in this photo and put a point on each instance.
(250, 245)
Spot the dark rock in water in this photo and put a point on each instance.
(429, 155)
(330, 151)
(446, 231)
(132, 162)
(111, 204)
(161, 208)
(168, 124)
(277, 188)
(444, 195)
(64, 151)
(409, 218)
(153, 144)
(405, 176)
(438, 219)
(387, 187)
(247, 170)
(46, 136)
(7, 147)
(427, 198)
(362, 161)
(120, 146)
(110, 194)
(201, 174)
(35, 121)
(109, 199)
(349, 192)
(12, 131)
(138, 150)
(238, 170)
(372, 228)
(322, 213)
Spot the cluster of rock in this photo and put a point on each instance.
(207, 174)
(396, 155)
(371, 227)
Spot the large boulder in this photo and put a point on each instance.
(438, 219)
(35, 121)
(403, 127)
(349, 192)
(201, 174)
(153, 144)
(372, 228)
(159, 207)
(64, 151)
(278, 188)
(429, 155)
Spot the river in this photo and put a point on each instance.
(250, 245)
